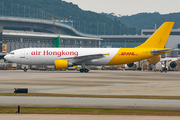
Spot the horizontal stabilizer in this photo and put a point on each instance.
(156, 52)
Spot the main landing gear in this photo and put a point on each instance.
(84, 69)
(164, 70)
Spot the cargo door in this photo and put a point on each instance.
(22, 54)
(27, 56)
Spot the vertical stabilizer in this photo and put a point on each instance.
(159, 38)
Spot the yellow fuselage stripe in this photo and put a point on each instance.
(128, 55)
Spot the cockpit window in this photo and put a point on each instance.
(12, 53)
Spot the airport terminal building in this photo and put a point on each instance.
(16, 33)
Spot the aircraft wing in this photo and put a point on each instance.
(85, 58)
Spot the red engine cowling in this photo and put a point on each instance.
(154, 60)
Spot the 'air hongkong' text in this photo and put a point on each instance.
(58, 53)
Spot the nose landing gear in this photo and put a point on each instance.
(25, 69)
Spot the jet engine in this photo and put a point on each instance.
(172, 64)
(154, 60)
(62, 64)
(130, 64)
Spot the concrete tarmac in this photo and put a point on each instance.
(83, 117)
(93, 83)
(96, 82)
(78, 102)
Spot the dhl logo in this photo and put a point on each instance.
(128, 53)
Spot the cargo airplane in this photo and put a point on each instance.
(62, 58)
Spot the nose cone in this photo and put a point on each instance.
(6, 57)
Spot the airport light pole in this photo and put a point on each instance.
(97, 28)
(84, 26)
(90, 26)
(60, 12)
(29, 11)
(73, 25)
(128, 30)
(33, 12)
(125, 43)
(37, 13)
(137, 29)
(24, 10)
(104, 28)
(42, 14)
(18, 9)
(2, 8)
(5, 11)
(11, 9)
(120, 29)
(79, 26)
(112, 29)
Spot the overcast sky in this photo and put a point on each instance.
(128, 7)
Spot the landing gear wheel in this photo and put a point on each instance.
(25, 69)
(81, 70)
(139, 68)
(84, 70)
(164, 69)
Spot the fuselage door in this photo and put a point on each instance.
(22, 54)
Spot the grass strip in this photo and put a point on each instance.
(92, 96)
(87, 111)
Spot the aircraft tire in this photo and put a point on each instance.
(86, 70)
(139, 68)
(25, 69)
(81, 70)
(164, 69)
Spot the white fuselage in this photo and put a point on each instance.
(47, 56)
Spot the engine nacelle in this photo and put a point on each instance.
(172, 64)
(154, 60)
(62, 64)
(130, 64)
